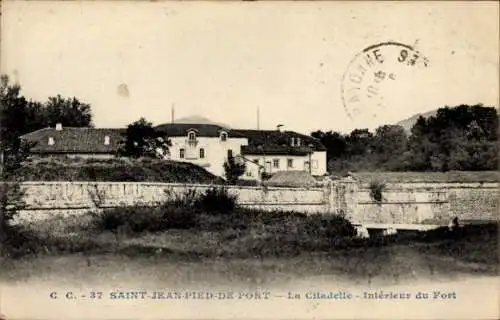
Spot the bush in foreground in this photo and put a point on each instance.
(216, 200)
(180, 212)
(137, 219)
(130, 219)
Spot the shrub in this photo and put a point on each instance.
(178, 213)
(216, 200)
(265, 176)
(11, 200)
(175, 216)
(376, 189)
(133, 218)
(233, 169)
(247, 183)
(181, 211)
(327, 226)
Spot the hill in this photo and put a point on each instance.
(195, 119)
(408, 123)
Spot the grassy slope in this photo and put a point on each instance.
(430, 177)
(149, 170)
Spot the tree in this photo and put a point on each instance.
(70, 112)
(359, 142)
(389, 144)
(456, 138)
(334, 142)
(12, 108)
(19, 116)
(142, 140)
(460, 138)
(233, 169)
(12, 114)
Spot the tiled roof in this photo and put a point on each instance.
(276, 142)
(75, 140)
(181, 129)
(91, 140)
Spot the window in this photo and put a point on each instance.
(192, 136)
(181, 153)
(229, 153)
(292, 141)
(106, 140)
(267, 166)
(51, 141)
(223, 136)
(249, 173)
(315, 164)
(276, 163)
(202, 153)
(297, 141)
(290, 163)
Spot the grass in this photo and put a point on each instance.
(210, 216)
(118, 169)
(247, 233)
(263, 249)
(429, 177)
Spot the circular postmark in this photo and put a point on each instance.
(376, 77)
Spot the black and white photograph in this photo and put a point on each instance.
(249, 160)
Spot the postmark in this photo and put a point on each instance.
(377, 75)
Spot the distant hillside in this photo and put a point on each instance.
(199, 120)
(409, 122)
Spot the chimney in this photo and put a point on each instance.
(58, 126)
(280, 128)
(258, 118)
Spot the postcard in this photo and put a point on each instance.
(249, 160)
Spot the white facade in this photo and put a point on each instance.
(274, 163)
(207, 152)
(210, 146)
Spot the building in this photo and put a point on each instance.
(209, 145)
(271, 151)
(102, 143)
(205, 144)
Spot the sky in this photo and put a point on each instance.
(223, 60)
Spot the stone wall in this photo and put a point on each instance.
(475, 201)
(44, 199)
(427, 203)
(402, 203)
